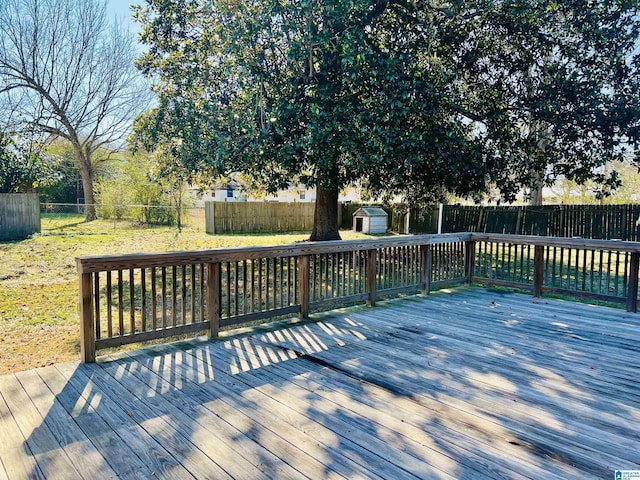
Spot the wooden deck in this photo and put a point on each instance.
(470, 384)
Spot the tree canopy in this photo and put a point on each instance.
(407, 97)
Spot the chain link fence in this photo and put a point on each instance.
(59, 215)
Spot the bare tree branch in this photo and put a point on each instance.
(75, 74)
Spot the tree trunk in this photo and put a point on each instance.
(536, 190)
(86, 173)
(325, 216)
(536, 196)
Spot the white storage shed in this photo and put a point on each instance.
(370, 220)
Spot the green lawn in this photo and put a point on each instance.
(38, 279)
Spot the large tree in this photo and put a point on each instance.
(402, 95)
(67, 71)
(555, 87)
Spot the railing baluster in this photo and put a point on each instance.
(154, 313)
(96, 295)
(295, 279)
(192, 271)
(164, 297)
(371, 269)
(183, 294)
(253, 285)
(201, 292)
(275, 283)
(632, 294)
(109, 305)
(132, 301)
(227, 282)
(427, 268)
(281, 282)
(213, 299)
(120, 303)
(303, 285)
(236, 289)
(143, 299)
(174, 295)
(538, 270)
(260, 285)
(244, 287)
(470, 261)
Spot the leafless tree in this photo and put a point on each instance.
(68, 71)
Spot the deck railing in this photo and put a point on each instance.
(134, 298)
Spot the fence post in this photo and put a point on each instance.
(538, 270)
(632, 293)
(213, 299)
(303, 285)
(371, 277)
(519, 229)
(87, 328)
(425, 274)
(469, 260)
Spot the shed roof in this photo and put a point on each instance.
(370, 212)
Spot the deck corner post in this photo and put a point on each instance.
(469, 261)
(87, 326)
(632, 293)
(213, 299)
(371, 269)
(538, 270)
(426, 256)
(303, 285)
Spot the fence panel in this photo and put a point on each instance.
(255, 217)
(19, 215)
(425, 220)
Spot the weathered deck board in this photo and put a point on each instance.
(470, 384)
(593, 442)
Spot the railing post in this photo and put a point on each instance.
(425, 273)
(469, 261)
(371, 277)
(538, 270)
(303, 285)
(87, 328)
(632, 293)
(213, 299)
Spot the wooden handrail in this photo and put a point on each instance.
(105, 263)
(584, 243)
(133, 298)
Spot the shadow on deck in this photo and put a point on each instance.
(466, 384)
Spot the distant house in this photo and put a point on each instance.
(293, 193)
(236, 191)
(231, 191)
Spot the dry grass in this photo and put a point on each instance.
(38, 280)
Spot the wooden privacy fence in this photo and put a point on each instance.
(19, 215)
(255, 217)
(134, 298)
(586, 221)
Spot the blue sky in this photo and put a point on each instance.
(122, 9)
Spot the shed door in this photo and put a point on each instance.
(359, 224)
